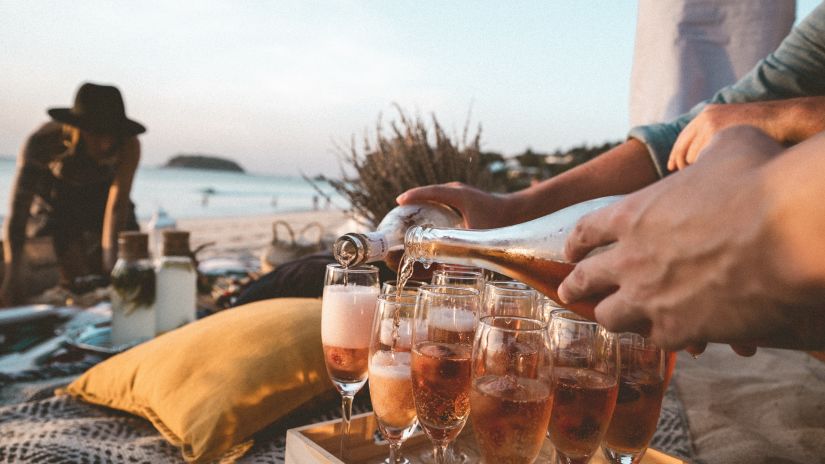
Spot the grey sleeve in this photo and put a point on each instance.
(795, 69)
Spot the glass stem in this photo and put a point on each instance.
(439, 453)
(346, 414)
(395, 453)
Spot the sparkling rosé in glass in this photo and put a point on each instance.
(441, 387)
(510, 416)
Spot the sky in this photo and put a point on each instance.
(278, 85)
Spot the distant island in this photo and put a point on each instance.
(214, 163)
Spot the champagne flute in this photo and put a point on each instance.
(410, 287)
(512, 389)
(510, 298)
(442, 345)
(549, 307)
(454, 278)
(486, 273)
(586, 373)
(347, 311)
(389, 371)
(641, 389)
(458, 267)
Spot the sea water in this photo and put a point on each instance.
(195, 193)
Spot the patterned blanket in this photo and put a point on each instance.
(45, 428)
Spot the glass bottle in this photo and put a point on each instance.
(176, 282)
(531, 252)
(133, 291)
(387, 241)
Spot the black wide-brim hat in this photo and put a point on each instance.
(98, 109)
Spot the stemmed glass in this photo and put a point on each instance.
(442, 347)
(549, 307)
(510, 298)
(410, 288)
(486, 273)
(347, 311)
(641, 388)
(389, 369)
(586, 372)
(454, 278)
(511, 395)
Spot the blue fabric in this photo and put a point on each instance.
(795, 69)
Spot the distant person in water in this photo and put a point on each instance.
(73, 181)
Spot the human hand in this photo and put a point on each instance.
(786, 121)
(695, 137)
(480, 209)
(693, 256)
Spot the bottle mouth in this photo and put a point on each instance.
(350, 250)
(412, 241)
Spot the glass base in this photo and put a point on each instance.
(402, 461)
(620, 457)
(456, 456)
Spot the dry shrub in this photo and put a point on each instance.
(411, 155)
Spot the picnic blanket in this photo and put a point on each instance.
(41, 427)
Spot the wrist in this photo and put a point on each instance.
(516, 205)
(797, 119)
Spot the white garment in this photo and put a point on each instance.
(686, 50)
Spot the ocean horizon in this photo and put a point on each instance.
(187, 193)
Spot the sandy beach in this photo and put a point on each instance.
(245, 238)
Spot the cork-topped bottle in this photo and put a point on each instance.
(176, 282)
(133, 291)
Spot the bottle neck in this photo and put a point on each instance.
(354, 249)
(449, 246)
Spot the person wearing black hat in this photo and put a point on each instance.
(73, 183)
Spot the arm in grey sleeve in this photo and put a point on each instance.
(795, 69)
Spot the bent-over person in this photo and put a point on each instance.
(73, 182)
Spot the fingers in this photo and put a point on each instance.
(617, 316)
(592, 277)
(450, 194)
(695, 349)
(696, 147)
(592, 231)
(744, 349)
(419, 194)
(678, 153)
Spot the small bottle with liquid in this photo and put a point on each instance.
(133, 291)
(175, 303)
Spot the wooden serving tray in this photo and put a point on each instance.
(320, 443)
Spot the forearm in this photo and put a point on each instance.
(118, 205)
(623, 169)
(795, 188)
(804, 118)
(113, 223)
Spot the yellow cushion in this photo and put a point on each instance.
(209, 386)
